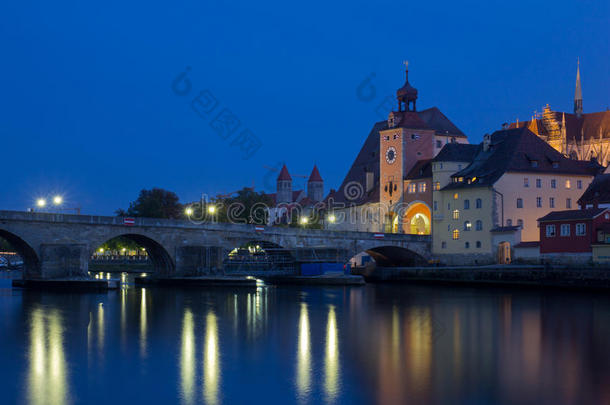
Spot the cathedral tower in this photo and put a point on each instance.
(578, 93)
(284, 186)
(315, 185)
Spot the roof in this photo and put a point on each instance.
(515, 150)
(284, 175)
(315, 175)
(457, 152)
(435, 119)
(501, 229)
(587, 126)
(598, 190)
(572, 215)
(409, 119)
(421, 170)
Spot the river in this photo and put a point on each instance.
(377, 344)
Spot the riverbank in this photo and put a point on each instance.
(526, 275)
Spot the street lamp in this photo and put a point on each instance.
(188, 211)
(212, 209)
(58, 200)
(304, 220)
(41, 202)
(332, 218)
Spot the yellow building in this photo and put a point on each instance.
(513, 178)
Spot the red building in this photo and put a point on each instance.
(572, 231)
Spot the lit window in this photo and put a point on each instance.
(479, 203)
(539, 202)
(467, 245)
(564, 230)
(553, 183)
(581, 229)
(412, 188)
(579, 184)
(568, 203)
(550, 231)
(519, 203)
(568, 184)
(437, 185)
(422, 187)
(467, 225)
(526, 182)
(538, 183)
(466, 204)
(478, 225)
(456, 234)
(455, 196)
(456, 214)
(551, 202)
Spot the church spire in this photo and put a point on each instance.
(578, 93)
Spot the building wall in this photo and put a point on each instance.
(571, 243)
(391, 172)
(444, 223)
(511, 185)
(361, 218)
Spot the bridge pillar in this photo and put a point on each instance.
(198, 260)
(64, 260)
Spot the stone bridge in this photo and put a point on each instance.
(60, 245)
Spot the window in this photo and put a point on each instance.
(466, 204)
(538, 183)
(443, 245)
(479, 203)
(555, 165)
(568, 184)
(456, 234)
(440, 165)
(478, 225)
(395, 136)
(387, 137)
(534, 163)
(553, 183)
(467, 225)
(438, 144)
(550, 231)
(568, 203)
(579, 184)
(456, 214)
(435, 204)
(538, 202)
(519, 202)
(520, 223)
(414, 136)
(478, 243)
(509, 222)
(437, 185)
(551, 202)
(581, 229)
(412, 188)
(448, 206)
(526, 182)
(455, 196)
(467, 245)
(422, 187)
(564, 230)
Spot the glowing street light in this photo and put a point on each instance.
(188, 211)
(41, 202)
(212, 209)
(332, 218)
(58, 200)
(304, 220)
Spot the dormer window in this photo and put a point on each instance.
(555, 165)
(534, 163)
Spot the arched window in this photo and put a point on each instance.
(479, 203)
(467, 225)
(456, 234)
(456, 214)
(466, 204)
(479, 225)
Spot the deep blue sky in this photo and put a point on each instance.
(86, 106)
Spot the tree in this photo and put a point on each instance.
(247, 207)
(155, 203)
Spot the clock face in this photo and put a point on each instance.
(390, 155)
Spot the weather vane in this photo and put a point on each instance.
(406, 63)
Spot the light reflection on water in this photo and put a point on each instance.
(375, 344)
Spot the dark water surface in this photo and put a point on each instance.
(375, 344)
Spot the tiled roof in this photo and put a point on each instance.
(598, 191)
(284, 175)
(515, 150)
(587, 125)
(315, 175)
(457, 152)
(569, 215)
(435, 119)
(421, 170)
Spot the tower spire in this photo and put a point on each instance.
(578, 93)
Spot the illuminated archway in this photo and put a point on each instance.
(416, 220)
(31, 262)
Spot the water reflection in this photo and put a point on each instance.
(143, 326)
(47, 377)
(303, 380)
(187, 358)
(211, 360)
(331, 361)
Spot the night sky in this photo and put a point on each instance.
(87, 107)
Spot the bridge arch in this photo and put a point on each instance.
(254, 256)
(31, 261)
(162, 261)
(386, 256)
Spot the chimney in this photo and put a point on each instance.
(486, 142)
